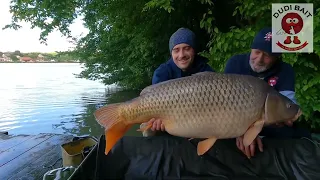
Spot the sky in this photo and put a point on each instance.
(26, 39)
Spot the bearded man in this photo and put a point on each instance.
(262, 63)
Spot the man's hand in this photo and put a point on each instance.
(157, 125)
(249, 151)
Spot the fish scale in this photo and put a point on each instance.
(205, 105)
(220, 98)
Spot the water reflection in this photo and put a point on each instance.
(83, 123)
(48, 98)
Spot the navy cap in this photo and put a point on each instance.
(182, 35)
(263, 41)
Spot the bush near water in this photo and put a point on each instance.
(129, 39)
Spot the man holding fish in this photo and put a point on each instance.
(184, 61)
(192, 103)
(260, 62)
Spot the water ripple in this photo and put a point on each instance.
(48, 98)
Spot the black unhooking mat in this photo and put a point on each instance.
(168, 157)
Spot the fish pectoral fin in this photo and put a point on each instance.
(114, 134)
(144, 127)
(205, 145)
(252, 132)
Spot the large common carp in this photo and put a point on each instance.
(205, 105)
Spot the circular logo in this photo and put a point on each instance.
(272, 81)
(292, 23)
(292, 27)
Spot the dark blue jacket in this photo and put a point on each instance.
(281, 76)
(169, 70)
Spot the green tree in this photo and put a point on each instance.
(255, 15)
(17, 53)
(14, 57)
(66, 56)
(127, 40)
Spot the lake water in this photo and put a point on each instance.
(48, 98)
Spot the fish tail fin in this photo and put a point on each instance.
(114, 134)
(114, 122)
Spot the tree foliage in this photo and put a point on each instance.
(253, 16)
(127, 40)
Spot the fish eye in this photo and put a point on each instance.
(295, 20)
(289, 105)
(288, 20)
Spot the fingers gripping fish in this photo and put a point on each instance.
(205, 105)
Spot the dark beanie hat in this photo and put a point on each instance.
(182, 35)
(263, 41)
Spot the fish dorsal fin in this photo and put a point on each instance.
(203, 73)
(151, 88)
(146, 90)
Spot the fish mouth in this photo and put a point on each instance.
(299, 113)
(289, 122)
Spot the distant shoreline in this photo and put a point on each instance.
(35, 62)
